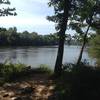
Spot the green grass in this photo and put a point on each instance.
(43, 68)
(9, 71)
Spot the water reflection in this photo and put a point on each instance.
(35, 56)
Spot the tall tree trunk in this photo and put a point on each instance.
(58, 64)
(83, 46)
(85, 36)
(59, 59)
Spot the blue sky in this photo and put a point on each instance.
(31, 16)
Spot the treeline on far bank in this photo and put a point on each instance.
(10, 37)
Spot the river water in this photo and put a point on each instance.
(35, 56)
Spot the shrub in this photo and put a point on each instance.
(10, 71)
(45, 69)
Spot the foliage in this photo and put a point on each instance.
(9, 71)
(80, 83)
(74, 14)
(11, 37)
(7, 11)
(84, 14)
(94, 49)
(79, 13)
(84, 18)
(45, 69)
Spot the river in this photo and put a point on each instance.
(35, 56)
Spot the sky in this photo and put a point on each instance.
(31, 16)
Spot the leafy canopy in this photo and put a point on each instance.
(79, 13)
(7, 11)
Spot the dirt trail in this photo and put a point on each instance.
(35, 87)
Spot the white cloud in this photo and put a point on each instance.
(35, 20)
(40, 1)
(31, 13)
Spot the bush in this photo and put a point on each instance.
(10, 71)
(44, 69)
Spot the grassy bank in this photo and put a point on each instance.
(21, 82)
(76, 82)
(11, 72)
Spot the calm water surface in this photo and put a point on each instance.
(35, 56)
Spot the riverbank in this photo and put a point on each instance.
(20, 82)
(75, 83)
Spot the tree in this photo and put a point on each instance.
(82, 19)
(11, 37)
(90, 22)
(7, 11)
(94, 49)
(62, 9)
(66, 11)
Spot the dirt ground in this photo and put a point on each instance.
(34, 87)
